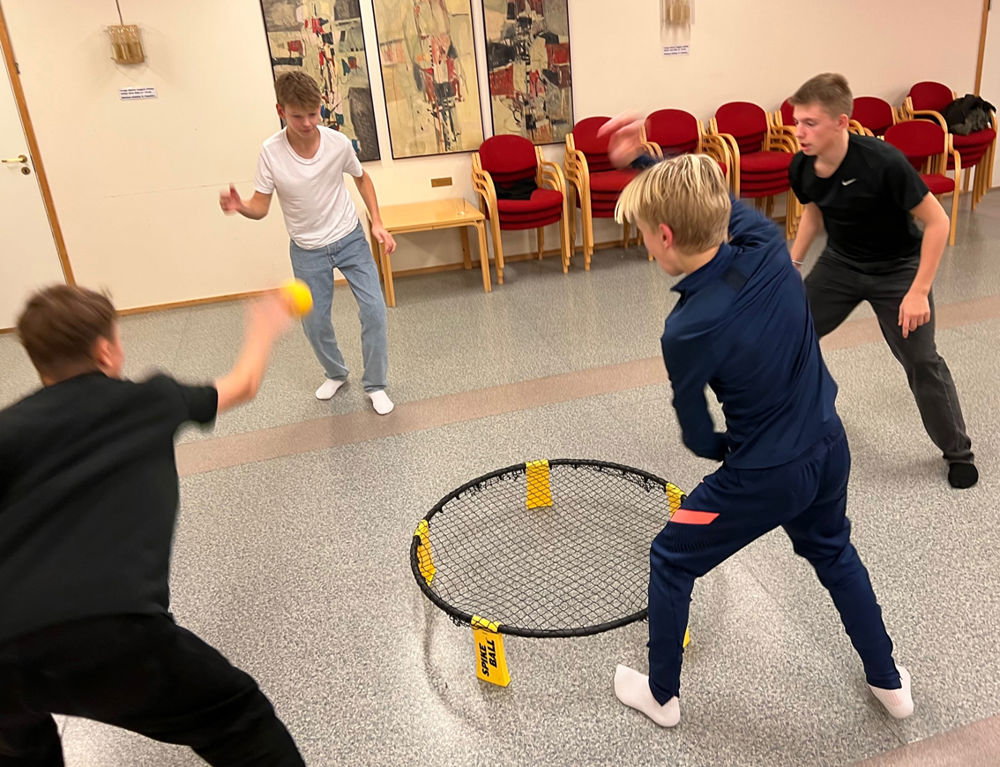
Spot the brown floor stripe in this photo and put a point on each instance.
(296, 438)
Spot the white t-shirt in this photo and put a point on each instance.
(317, 207)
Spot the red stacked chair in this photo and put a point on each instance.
(670, 132)
(929, 149)
(594, 183)
(875, 115)
(509, 160)
(977, 150)
(761, 156)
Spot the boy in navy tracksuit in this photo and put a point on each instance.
(742, 327)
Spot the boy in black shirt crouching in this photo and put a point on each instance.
(866, 195)
(88, 504)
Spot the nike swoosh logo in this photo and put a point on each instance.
(848, 182)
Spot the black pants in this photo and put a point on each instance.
(835, 288)
(140, 672)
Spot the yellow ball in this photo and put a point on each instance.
(298, 297)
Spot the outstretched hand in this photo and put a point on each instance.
(230, 201)
(624, 133)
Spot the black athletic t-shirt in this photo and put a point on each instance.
(88, 498)
(866, 203)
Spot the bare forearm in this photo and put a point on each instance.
(935, 237)
(367, 190)
(254, 209)
(241, 384)
(267, 319)
(809, 227)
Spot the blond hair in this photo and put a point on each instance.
(687, 193)
(829, 90)
(297, 89)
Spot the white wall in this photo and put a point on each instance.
(136, 183)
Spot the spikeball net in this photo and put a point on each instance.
(555, 548)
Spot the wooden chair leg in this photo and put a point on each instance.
(564, 243)
(540, 236)
(789, 216)
(625, 234)
(986, 165)
(571, 215)
(954, 214)
(497, 250)
(769, 206)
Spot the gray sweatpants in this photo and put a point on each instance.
(835, 287)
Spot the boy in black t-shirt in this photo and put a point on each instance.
(88, 503)
(867, 195)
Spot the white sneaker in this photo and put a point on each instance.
(380, 401)
(330, 387)
(899, 703)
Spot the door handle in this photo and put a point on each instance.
(21, 158)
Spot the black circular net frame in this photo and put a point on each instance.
(577, 567)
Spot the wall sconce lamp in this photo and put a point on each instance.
(126, 44)
(677, 12)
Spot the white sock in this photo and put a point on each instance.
(330, 387)
(380, 401)
(899, 703)
(632, 689)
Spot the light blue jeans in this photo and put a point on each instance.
(353, 257)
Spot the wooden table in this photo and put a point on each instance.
(426, 216)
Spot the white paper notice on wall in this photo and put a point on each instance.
(134, 94)
(676, 50)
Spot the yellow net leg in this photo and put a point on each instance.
(539, 490)
(675, 498)
(424, 557)
(491, 661)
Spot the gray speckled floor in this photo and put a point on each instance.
(297, 567)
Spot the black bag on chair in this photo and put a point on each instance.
(968, 114)
(516, 190)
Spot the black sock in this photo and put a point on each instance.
(962, 475)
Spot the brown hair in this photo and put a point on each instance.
(687, 193)
(829, 90)
(60, 325)
(297, 89)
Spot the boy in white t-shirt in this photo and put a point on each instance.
(305, 164)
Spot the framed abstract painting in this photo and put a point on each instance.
(527, 50)
(324, 39)
(428, 60)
